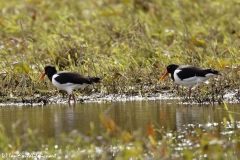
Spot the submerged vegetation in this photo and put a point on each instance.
(127, 44)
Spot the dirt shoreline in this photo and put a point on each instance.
(38, 100)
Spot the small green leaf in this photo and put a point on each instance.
(21, 67)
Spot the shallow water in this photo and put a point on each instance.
(51, 120)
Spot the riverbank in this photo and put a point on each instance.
(55, 98)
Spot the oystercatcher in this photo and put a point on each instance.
(68, 81)
(188, 75)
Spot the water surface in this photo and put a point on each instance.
(52, 120)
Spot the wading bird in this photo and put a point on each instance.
(68, 81)
(188, 75)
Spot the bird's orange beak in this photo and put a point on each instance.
(42, 76)
(165, 74)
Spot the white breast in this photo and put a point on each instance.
(189, 82)
(69, 87)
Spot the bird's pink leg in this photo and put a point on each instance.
(69, 98)
(71, 95)
(189, 92)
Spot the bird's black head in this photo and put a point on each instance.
(50, 71)
(171, 68)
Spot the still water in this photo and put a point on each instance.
(51, 120)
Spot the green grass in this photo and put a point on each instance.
(135, 38)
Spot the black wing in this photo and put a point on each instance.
(75, 78)
(191, 71)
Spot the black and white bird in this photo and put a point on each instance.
(188, 75)
(68, 81)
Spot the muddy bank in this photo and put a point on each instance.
(41, 100)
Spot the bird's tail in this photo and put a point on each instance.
(95, 79)
(213, 71)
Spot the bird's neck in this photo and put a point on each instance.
(50, 76)
(172, 76)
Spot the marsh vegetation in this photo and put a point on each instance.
(127, 44)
